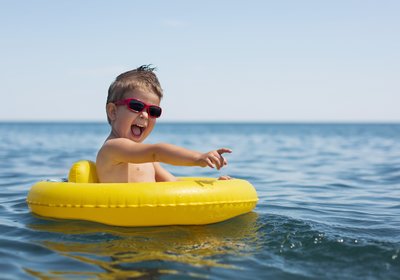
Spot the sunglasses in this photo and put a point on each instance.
(138, 106)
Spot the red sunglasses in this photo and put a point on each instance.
(138, 106)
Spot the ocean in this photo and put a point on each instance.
(329, 206)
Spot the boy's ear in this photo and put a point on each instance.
(111, 110)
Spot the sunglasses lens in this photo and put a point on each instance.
(136, 105)
(154, 111)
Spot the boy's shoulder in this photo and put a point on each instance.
(114, 145)
(117, 142)
(120, 150)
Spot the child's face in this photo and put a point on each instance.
(126, 123)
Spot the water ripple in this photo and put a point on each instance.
(328, 206)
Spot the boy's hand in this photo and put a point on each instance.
(214, 158)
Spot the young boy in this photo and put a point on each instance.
(132, 109)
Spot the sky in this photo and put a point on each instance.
(217, 60)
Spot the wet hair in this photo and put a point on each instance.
(142, 77)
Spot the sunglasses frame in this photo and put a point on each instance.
(146, 106)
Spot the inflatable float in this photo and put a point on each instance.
(189, 201)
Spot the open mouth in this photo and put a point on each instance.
(137, 130)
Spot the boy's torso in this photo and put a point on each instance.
(127, 172)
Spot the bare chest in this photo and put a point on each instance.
(143, 172)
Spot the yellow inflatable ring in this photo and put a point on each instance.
(190, 201)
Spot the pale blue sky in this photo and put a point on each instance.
(217, 60)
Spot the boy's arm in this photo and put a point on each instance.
(162, 175)
(125, 150)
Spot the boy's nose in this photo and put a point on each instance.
(144, 114)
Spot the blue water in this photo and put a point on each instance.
(329, 206)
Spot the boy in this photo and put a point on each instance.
(132, 109)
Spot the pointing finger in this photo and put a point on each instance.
(224, 150)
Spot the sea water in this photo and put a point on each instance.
(329, 206)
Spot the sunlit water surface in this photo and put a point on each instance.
(329, 206)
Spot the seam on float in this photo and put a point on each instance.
(141, 205)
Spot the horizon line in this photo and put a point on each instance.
(212, 121)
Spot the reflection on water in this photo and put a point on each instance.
(151, 251)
